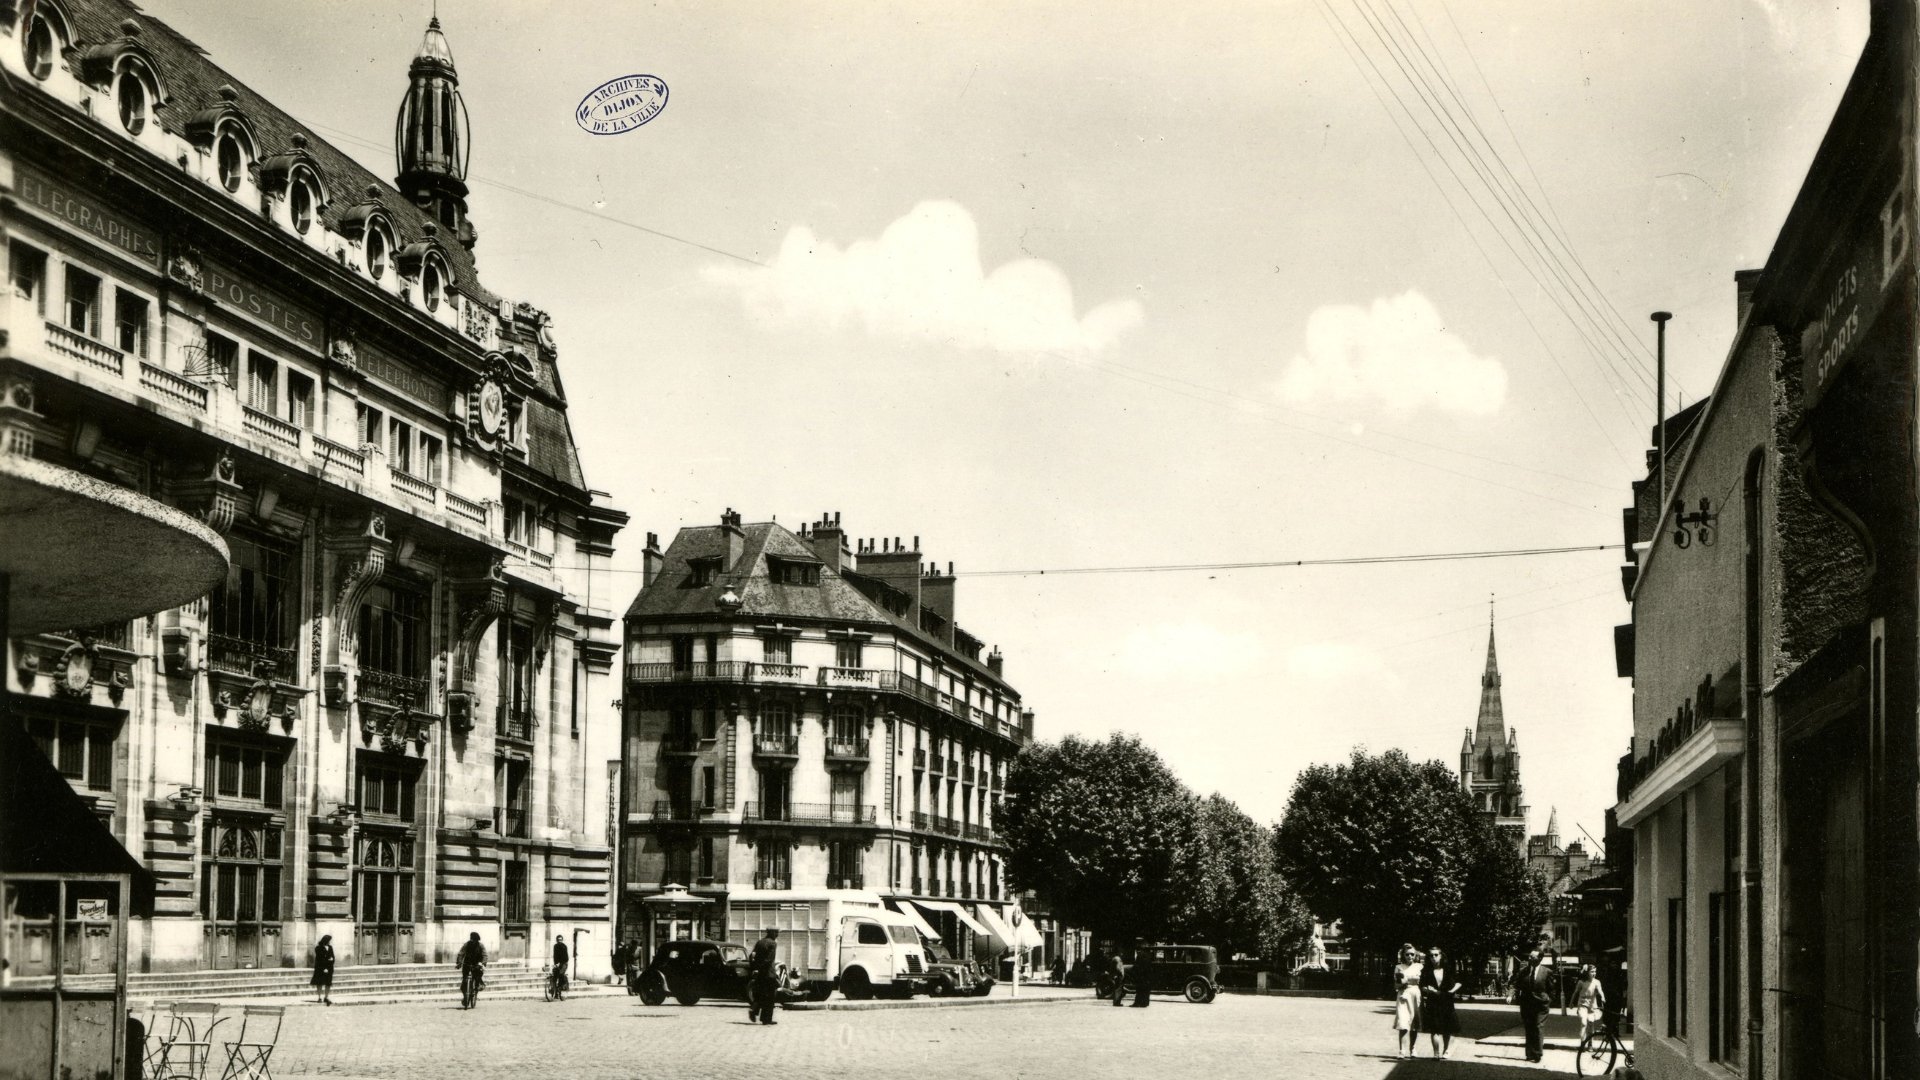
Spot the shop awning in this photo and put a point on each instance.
(674, 896)
(926, 929)
(1002, 933)
(958, 912)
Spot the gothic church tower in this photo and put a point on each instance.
(1490, 758)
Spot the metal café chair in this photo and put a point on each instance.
(158, 1026)
(189, 1041)
(248, 1055)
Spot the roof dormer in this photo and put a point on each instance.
(45, 36)
(224, 131)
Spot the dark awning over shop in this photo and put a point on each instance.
(45, 827)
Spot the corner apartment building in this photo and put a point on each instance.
(382, 726)
(1770, 783)
(804, 714)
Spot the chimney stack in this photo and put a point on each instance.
(651, 561)
(736, 537)
(996, 663)
(891, 562)
(936, 594)
(829, 544)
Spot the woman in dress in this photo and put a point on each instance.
(1589, 1000)
(1439, 985)
(1406, 1004)
(323, 969)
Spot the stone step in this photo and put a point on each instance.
(394, 979)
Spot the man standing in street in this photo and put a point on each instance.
(1530, 985)
(560, 958)
(760, 982)
(1117, 977)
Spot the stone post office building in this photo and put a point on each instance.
(388, 723)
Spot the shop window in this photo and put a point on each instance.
(244, 773)
(299, 400)
(393, 631)
(27, 273)
(130, 322)
(263, 383)
(130, 93)
(83, 302)
(231, 159)
(82, 750)
(387, 789)
(40, 46)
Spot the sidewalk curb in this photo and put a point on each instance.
(934, 1003)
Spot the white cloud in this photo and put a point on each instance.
(1189, 649)
(922, 279)
(1395, 353)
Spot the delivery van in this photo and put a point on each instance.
(835, 939)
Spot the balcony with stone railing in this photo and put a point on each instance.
(85, 351)
(409, 484)
(771, 881)
(177, 390)
(270, 427)
(858, 678)
(769, 672)
(338, 457)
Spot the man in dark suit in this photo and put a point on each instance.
(1531, 984)
(1142, 975)
(761, 986)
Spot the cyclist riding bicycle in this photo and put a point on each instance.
(473, 964)
(560, 958)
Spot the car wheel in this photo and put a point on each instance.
(1197, 990)
(686, 999)
(819, 991)
(940, 988)
(1212, 992)
(653, 995)
(856, 985)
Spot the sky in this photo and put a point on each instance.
(1115, 284)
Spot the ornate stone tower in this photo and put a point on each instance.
(431, 139)
(1490, 758)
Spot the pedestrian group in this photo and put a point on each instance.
(1424, 994)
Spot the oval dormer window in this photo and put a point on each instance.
(39, 47)
(379, 249)
(232, 160)
(131, 93)
(431, 284)
(300, 201)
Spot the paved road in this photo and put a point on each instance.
(614, 1036)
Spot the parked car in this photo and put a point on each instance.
(947, 977)
(692, 970)
(1192, 971)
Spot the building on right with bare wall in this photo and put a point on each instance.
(1769, 788)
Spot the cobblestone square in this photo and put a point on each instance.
(615, 1036)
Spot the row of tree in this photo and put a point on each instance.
(1111, 839)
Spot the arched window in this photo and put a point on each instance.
(432, 283)
(130, 92)
(302, 198)
(231, 156)
(41, 44)
(379, 250)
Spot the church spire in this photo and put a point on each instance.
(430, 136)
(1490, 729)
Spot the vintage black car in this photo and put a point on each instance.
(948, 977)
(1192, 971)
(692, 970)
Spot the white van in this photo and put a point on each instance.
(836, 939)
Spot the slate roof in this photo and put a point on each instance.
(836, 599)
(192, 81)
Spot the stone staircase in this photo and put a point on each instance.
(359, 985)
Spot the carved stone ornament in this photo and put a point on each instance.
(395, 725)
(215, 497)
(359, 561)
(479, 597)
(344, 351)
(184, 267)
(75, 678)
(76, 662)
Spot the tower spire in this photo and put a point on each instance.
(431, 138)
(1490, 728)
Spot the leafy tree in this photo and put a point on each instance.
(1097, 828)
(1505, 904)
(1231, 895)
(1385, 845)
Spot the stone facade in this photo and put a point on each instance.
(389, 722)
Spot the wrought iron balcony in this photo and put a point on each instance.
(939, 762)
(974, 831)
(516, 723)
(772, 881)
(815, 814)
(966, 774)
(703, 671)
(846, 881)
(951, 893)
(923, 821)
(251, 659)
(776, 746)
(847, 751)
(680, 742)
(919, 758)
(917, 884)
(396, 690)
(510, 821)
(675, 810)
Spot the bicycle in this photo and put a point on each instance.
(1601, 1050)
(556, 987)
(470, 982)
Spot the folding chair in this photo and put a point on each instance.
(190, 1041)
(153, 1053)
(247, 1055)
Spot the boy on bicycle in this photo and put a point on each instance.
(473, 963)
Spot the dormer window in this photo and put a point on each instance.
(702, 571)
(40, 46)
(232, 158)
(301, 199)
(379, 251)
(131, 94)
(432, 284)
(792, 572)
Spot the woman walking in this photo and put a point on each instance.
(323, 969)
(1589, 1000)
(1406, 1004)
(1438, 988)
